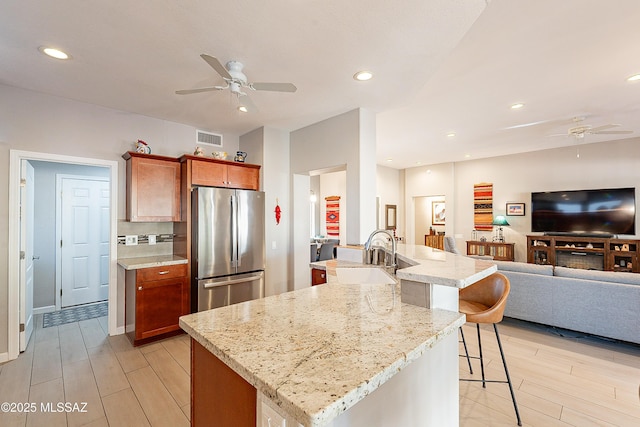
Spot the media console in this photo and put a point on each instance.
(590, 253)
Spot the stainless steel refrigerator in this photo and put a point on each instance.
(228, 251)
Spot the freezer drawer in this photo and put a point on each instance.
(222, 291)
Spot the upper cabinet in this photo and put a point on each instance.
(221, 173)
(153, 188)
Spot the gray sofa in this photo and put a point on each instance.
(595, 302)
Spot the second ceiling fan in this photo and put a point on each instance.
(236, 81)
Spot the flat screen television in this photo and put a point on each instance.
(605, 211)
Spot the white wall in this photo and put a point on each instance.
(269, 147)
(608, 164)
(390, 186)
(31, 121)
(347, 139)
(44, 247)
(428, 181)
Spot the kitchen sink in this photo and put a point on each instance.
(364, 275)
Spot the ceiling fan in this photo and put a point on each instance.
(236, 81)
(580, 129)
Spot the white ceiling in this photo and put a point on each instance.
(440, 65)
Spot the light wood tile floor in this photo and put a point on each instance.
(559, 380)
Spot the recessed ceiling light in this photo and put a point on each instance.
(389, 160)
(517, 106)
(466, 156)
(418, 163)
(451, 134)
(54, 53)
(634, 78)
(242, 109)
(363, 76)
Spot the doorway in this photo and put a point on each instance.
(16, 293)
(429, 217)
(82, 228)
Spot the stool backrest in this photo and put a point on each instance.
(492, 291)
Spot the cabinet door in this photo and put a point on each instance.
(159, 304)
(270, 418)
(208, 173)
(318, 276)
(153, 190)
(246, 178)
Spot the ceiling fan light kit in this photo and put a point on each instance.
(235, 81)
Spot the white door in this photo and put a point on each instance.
(26, 253)
(84, 240)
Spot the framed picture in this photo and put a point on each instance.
(437, 213)
(515, 209)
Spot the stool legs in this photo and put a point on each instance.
(466, 352)
(504, 364)
(484, 382)
(506, 371)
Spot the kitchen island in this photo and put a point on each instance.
(331, 355)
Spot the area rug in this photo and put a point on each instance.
(333, 215)
(483, 207)
(74, 314)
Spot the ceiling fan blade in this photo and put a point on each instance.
(274, 87)
(203, 89)
(246, 102)
(612, 132)
(217, 65)
(603, 127)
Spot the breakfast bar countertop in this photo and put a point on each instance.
(317, 351)
(430, 265)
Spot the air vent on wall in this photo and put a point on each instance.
(209, 138)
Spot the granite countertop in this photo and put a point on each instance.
(430, 265)
(150, 261)
(317, 351)
(427, 265)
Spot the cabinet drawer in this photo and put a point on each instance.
(161, 273)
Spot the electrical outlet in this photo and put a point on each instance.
(131, 240)
(152, 239)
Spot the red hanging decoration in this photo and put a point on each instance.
(278, 213)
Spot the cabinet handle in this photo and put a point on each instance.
(163, 272)
(139, 288)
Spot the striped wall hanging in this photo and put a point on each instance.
(333, 215)
(483, 206)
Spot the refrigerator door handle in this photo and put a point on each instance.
(232, 282)
(234, 232)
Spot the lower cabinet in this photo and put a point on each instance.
(154, 300)
(270, 416)
(318, 276)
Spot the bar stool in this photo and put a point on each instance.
(484, 302)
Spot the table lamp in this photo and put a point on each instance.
(500, 221)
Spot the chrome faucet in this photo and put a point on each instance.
(369, 258)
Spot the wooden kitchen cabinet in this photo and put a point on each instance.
(222, 173)
(318, 276)
(154, 300)
(153, 188)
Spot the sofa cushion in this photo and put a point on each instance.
(523, 267)
(601, 276)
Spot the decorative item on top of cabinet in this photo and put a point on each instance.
(154, 300)
(153, 188)
(223, 173)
